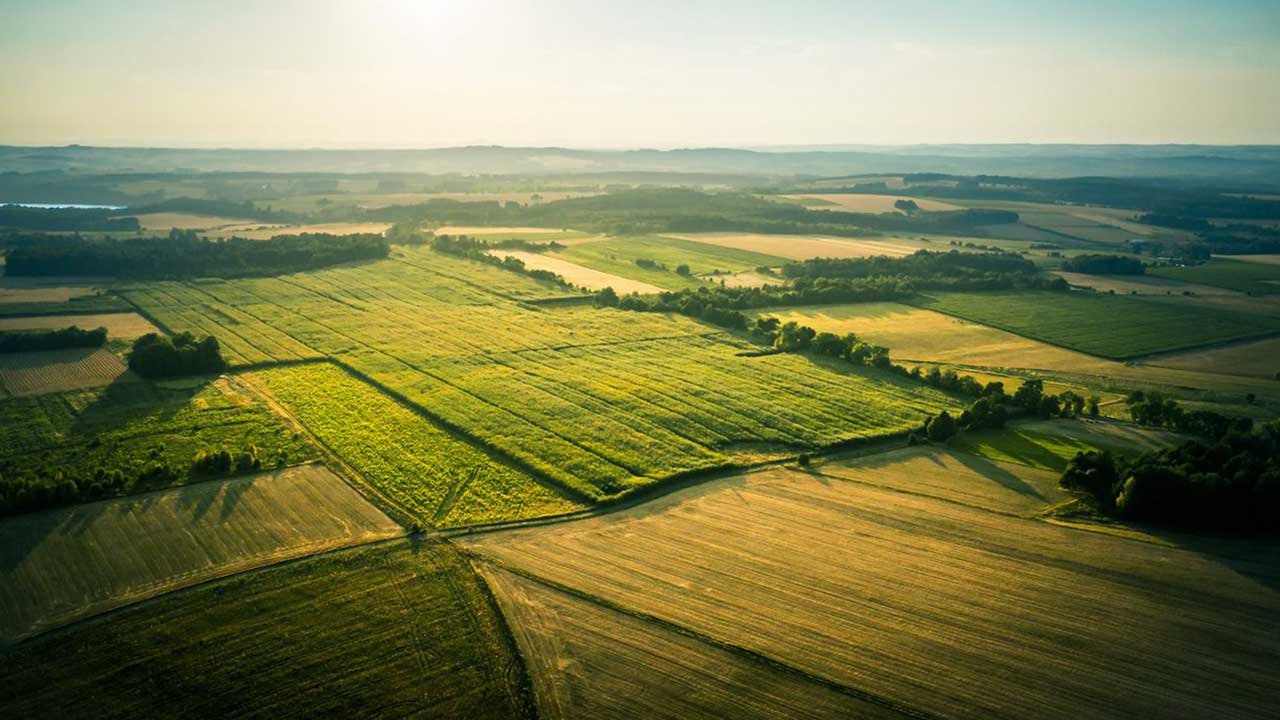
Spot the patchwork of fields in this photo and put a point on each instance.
(1250, 277)
(618, 255)
(919, 603)
(62, 565)
(394, 630)
(599, 401)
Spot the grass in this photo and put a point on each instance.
(403, 629)
(131, 427)
(1250, 277)
(599, 401)
(1260, 358)
(59, 566)
(78, 305)
(436, 475)
(1103, 325)
(701, 258)
(1050, 445)
(936, 607)
(801, 247)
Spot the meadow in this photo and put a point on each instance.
(1259, 358)
(1104, 325)
(1049, 445)
(63, 565)
(132, 429)
(438, 477)
(932, 607)
(1248, 277)
(397, 629)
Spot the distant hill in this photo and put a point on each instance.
(1257, 164)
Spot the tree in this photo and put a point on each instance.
(1093, 406)
(607, 298)
(906, 206)
(682, 269)
(1029, 394)
(941, 427)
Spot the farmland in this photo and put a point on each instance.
(932, 606)
(398, 629)
(1102, 325)
(702, 258)
(1250, 277)
(866, 203)
(1260, 358)
(261, 231)
(801, 247)
(119, 325)
(133, 429)
(438, 477)
(1049, 445)
(61, 565)
(586, 277)
(35, 373)
(665, 395)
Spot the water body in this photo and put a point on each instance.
(67, 206)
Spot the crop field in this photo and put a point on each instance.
(257, 231)
(1262, 259)
(125, 326)
(1049, 445)
(63, 565)
(135, 426)
(532, 234)
(589, 661)
(36, 373)
(1250, 277)
(438, 477)
(929, 606)
(164, 221)
(600, 401)
(1103, 325)
(401, 629)
(1260, 358)
(802, 247)
(1139, 284)
(867, 203)
(586, 277)
(702, 258)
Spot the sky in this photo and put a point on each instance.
(600, 74)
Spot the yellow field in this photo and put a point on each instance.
(1256, 359)
(745, 279)
(922, 335)
(37, 373)
(867, 203)
(1264, 259)
(931, 606)
(250, 231)
(801, 247)
(18, 289)
(187, 221)
(477, 230)
(123, 326)
(589, 661)
(61, 565)
(1141, 284)
(579, 275)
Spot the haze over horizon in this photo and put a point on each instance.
(586, 75)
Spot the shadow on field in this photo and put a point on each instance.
(994, 472)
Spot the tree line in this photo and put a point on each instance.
(66, 219)
(1104, 265)
(473, 249)
(184, 254)
(71, 337)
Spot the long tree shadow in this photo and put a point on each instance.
(988, 469)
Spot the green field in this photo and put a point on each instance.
(617, 255)
(1108, 326)
(65, 564)
(397, 630)
(600, 401)
(1050, 445)
(1256, 278)
(437, 476)
(134, 428)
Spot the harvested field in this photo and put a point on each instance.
(398, 630)
(121, 326)
(1260, 358)
(162, 221)
(579, 275)
(746, 279)
(62, 565)
(1251, 277)
(867, 203)
(1263, 259)
(36, 373)
(589, 661)
(802, 247)
(942, 608)
(482, 231)
(1140, 284)
(251, 230)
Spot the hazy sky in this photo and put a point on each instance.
(636, 74)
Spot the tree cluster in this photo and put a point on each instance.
(71, 337)
(1153, 408)
(1232, 483)
(66, 219)
(184, 254)
(1104, 265)
(156, 356)
(930, 270)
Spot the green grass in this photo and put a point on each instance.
(88, 304)
(1050, 445)
(598, 401)
(130, 427)
(1108, 326)
(439, 477)
(395, 630)
(617, 255)
(1258, 278)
